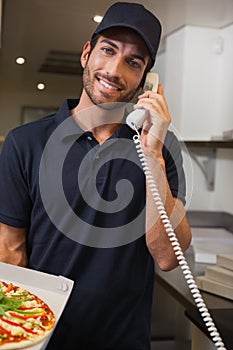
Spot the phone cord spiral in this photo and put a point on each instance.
(177, 249)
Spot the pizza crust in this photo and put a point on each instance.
(24, 343)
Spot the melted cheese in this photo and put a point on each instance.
(14, 330)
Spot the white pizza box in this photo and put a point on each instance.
(53, 290)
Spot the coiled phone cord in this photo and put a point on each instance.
(177, 249)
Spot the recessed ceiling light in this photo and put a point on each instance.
(20, 60)
(97, 18)
(40, 86)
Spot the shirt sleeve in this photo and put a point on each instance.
(174, 166)
(15, 202)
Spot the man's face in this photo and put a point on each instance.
(115, 67)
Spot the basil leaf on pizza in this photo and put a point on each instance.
(24, 318)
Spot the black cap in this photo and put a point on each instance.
(136, 17)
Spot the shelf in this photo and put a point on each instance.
(209, 144)
(209, 150)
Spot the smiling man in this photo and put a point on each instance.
(117, 237)
(114, 71)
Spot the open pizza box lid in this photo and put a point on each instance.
(53, 290)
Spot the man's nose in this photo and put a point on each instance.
(115, 68)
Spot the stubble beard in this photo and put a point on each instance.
(105, 99)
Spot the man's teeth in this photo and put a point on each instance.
(108, 86)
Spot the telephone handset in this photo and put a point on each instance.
(135, 120)
(138, 116)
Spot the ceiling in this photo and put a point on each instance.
(34, 28)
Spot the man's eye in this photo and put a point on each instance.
(134, 64)
(107, 50)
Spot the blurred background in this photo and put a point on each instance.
(194, 63)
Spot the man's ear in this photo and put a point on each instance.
(85, 53)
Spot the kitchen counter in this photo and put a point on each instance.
(175, 284)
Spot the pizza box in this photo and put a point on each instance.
(53, 290)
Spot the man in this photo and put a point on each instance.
(104, 248)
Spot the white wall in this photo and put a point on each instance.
(225, 81)
(199, 80)
(198, 86)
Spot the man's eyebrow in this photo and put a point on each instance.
(106, 41)
(109, 42)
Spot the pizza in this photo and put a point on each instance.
(24, 318)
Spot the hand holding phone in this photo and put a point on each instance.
(136, 118)
(157, 115)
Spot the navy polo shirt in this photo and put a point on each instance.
(110, 305)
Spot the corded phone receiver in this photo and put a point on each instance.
(137, 117)
(135, 120)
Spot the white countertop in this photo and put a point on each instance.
(209, 242)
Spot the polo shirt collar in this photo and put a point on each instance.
(64, 110)
(70, 128)
(66, 125)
